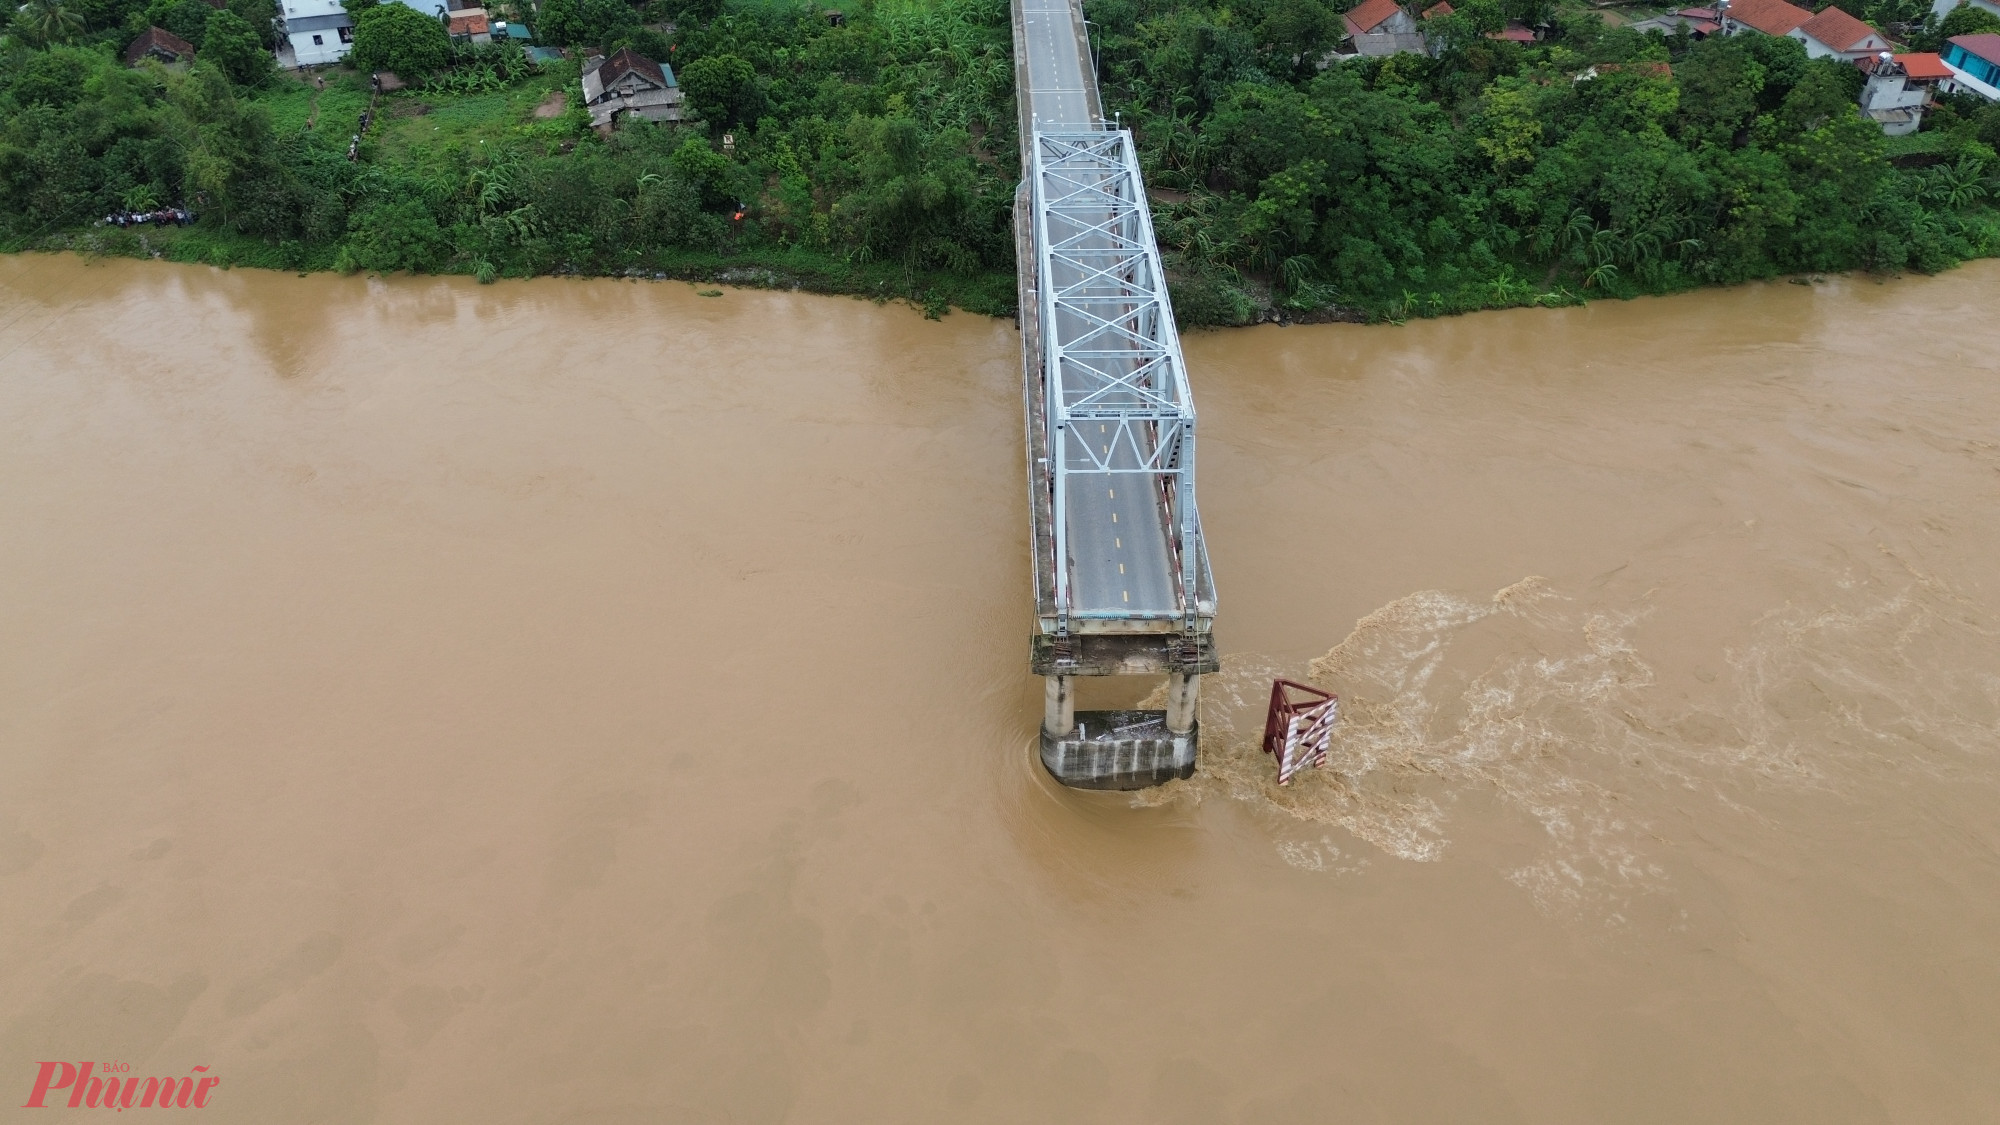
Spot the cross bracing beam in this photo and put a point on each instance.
(1111, 355)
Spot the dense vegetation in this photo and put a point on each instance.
(877, 155)
(1498, 173)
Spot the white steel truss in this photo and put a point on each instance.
(1112, 357)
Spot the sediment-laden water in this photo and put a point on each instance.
(588, 702)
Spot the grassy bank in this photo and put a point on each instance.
(990, 294)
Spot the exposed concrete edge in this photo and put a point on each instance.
(1120, 750)
(1023, 116)
(1035, 421)
(1125, 654)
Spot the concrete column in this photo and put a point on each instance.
(1183, 692)
(1059, 705)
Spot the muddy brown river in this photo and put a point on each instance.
(592, 703)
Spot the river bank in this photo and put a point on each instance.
(777, 268)
(800, 272)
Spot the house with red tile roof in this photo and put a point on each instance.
(1383, 27)
(1772, 17)
(1514, 32)
(469, 23)
(1835, 34)
(1899, 89)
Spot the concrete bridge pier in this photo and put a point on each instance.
(1059, 706)
(1125, 749)
(1183, 694)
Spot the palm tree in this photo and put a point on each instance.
(47, 20)
(1576, 230)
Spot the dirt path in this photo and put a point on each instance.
(553, 105)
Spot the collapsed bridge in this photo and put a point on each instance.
(1122, 583)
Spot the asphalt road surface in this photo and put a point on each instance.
(1119, 557)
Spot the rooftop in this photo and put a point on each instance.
(158, 39)
(468, 21)
(627, 61)
(1837, 29)
(1369, 16)
(1986, 45)
(1921, 65)
(1772, 17)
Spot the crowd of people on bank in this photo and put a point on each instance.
(178, 216)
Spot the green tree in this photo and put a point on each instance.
(585, 23)
(559, 22)
(1962, 20)
(647, 42)
(46, 21)
(399, 234)
(232, 44)
(1719, 82)
(225, 141)
(185, 18)
(706, 169)
(601, 21)
(400, 39)
(918, 199)
(1298, 32)
(258, 14)
(693, 12)
(723, 88)
(54, 77)
(1507, 130)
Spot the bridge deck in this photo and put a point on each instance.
(1061, 89)
(1115, 418)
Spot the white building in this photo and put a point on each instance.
(315, 31)
(1899, 89)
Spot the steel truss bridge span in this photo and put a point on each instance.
(1122, 579)
(1119, 406)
